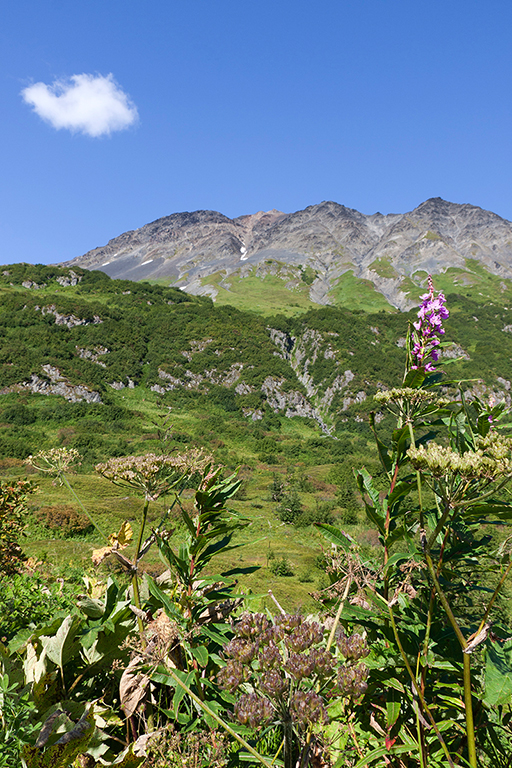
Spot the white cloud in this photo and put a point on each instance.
(90, 104)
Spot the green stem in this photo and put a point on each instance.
(444, 601)
(439, 526)
(73, 493)
(338, 615)
(421, 741)
(419, 727)
(418, 691)
(288, 745)
(136, 600)
(470, 727)
(141, 532)
(494, 596)
(218, 719)
(135, 579)
(418, 479)
(278, 752)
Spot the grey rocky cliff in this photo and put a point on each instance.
(52, 382)
(328, 237)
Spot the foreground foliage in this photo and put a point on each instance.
(406, 663)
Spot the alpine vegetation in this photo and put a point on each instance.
(405, 661)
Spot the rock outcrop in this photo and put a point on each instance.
(52, 382)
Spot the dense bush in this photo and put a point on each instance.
(30, 599)
(13, 509)
(63, 520)
(280, 566)
(290, 507)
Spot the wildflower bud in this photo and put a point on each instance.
(304, 636)
(353, 647)
(271, 635)
(428, 328)
(253, 710)
(251, 625)
(323, 661)
(352, 680)
(287, 621)
(308, 708)
(270, 657)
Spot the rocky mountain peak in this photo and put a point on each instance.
(385, 250)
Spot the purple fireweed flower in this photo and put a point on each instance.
(428, 328)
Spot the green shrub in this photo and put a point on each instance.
(63, 520)
(19, 414)
(276, 487)
(29, 599)
(322, 514)
(290, 507)
(280, 566)
(305, 577)
(13, 508)
(349, 516)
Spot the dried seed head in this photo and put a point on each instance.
(240, 649)
(352, 680)
(54, 461)
(307, 707)
(253, 710)
(154, 475)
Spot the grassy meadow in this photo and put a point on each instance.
(293, 456)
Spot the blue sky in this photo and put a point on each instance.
(240, 106)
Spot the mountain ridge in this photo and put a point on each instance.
(315, 252)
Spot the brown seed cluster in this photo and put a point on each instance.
(289, 670)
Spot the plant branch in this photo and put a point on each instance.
(84, 510)
(338, 614)
(417, 689)
(218, 719)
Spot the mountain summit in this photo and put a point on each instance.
(324, 254)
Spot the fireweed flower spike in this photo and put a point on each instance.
(427, 329)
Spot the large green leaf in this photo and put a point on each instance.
(335, 536)
(61, 753)
(64, 644)
(498, 674)
(383, 751)
(415, 378)
(400, 490)
(164, 599)
(382, 449)
(365, 482)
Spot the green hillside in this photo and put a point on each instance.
(136, 350)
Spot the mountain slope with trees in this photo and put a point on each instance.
(75, 341)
